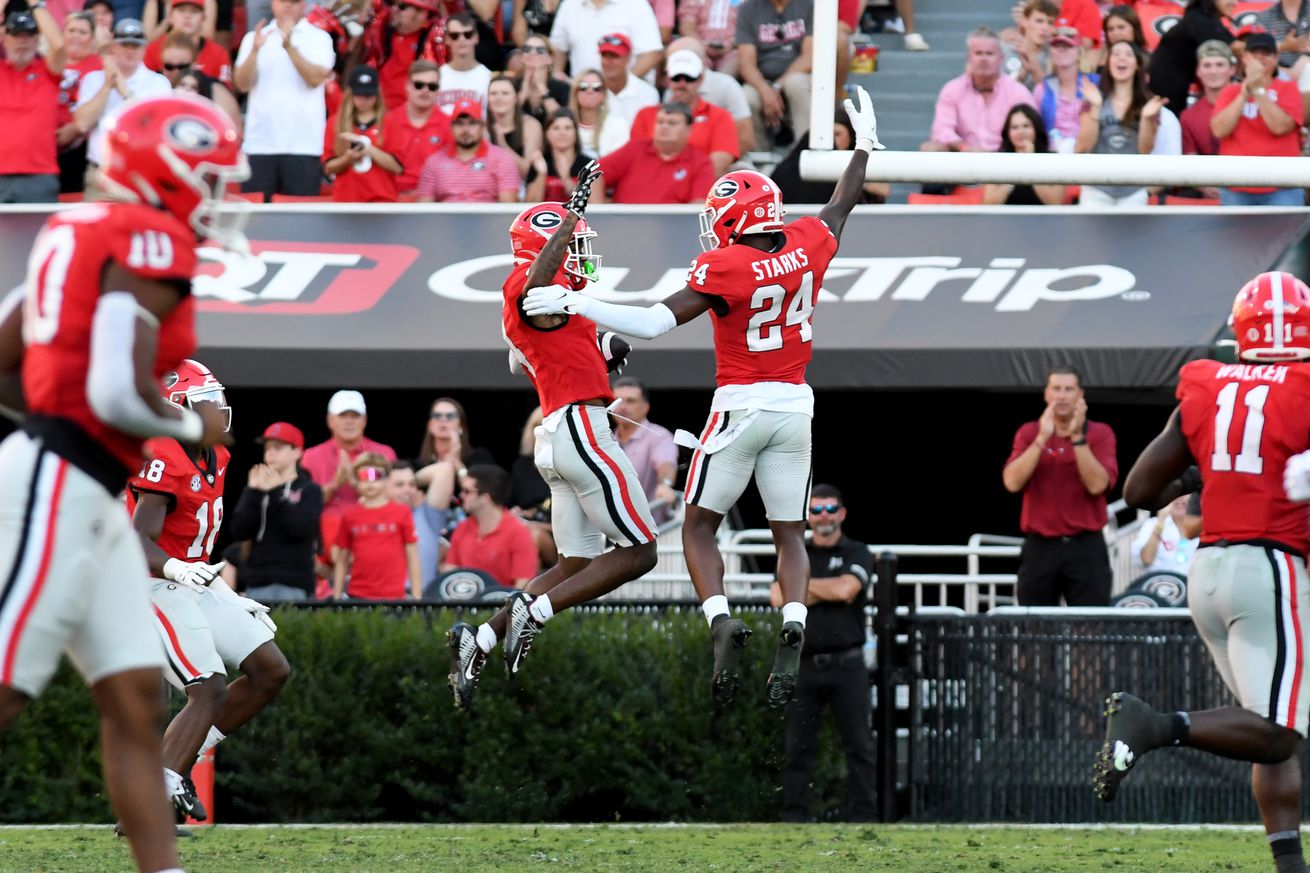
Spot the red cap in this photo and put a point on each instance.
(615, 44)
(471, 108)
(283, 433)
(197, 3)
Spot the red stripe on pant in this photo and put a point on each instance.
(173, 643)
(618, 477)
(43, 570)
(1296, 635)
(690, 488)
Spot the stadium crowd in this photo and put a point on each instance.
(484, 101)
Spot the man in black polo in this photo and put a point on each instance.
(832, 671)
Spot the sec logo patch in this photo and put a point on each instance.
(195, 482)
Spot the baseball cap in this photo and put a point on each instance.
(197, 3)
(92, 4)
(18, 23)
(1214, 48)
(615, 44)
(347, 401)
(1260, 39)
(363, 80)
(471, 108)
(283, 432)
(129, 32)
(1065, 34)
(684, 63)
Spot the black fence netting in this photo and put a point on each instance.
(1007, 718)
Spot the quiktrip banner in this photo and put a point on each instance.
(409, 296)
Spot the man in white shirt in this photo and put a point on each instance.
(101, 92)
(722, 90)
(580, 25)
(283, 67)
(628, 94)
(462, 77)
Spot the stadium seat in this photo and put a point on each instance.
(295, 198)
(1163, 585)
(252, 196)
(1173, 200)
(960, 197)
(463, 585)
(74, 197)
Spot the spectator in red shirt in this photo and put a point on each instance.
(713, 132)
(1215, 65)
(331, 463)
(1260, 116)
(663, 169)
(418, 129)
(188, 17)
(83, 57)
(407, 35)
(491, 539)
(353, 147)
(29, 104)
(470, 169)
(376, 541)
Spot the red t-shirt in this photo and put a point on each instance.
(68, 260)
(1252, 136)
(68, 85)
(393, 75)
(194, 492)
(639, 175)
(411, 145)
(712, 129)
(507, 553)
(29, 104)
(364, 181)
(211, 60)
(321, 463)
(1085, 15)
(1055, 501)
(376, 539)
(565, 364)
(1263, 414)
(766, 334)
(1195, 121)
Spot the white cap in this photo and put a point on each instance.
(347, 401)
(684, 63)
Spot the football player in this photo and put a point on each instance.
(106, 310)
(176, 504)
(595, 493)
(760, 279)
(1247, 426)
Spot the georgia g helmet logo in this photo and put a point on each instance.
(192, 134)
(545, 221)
(726, 188)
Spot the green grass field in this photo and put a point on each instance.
(618, 848)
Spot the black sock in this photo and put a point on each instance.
(1180, 729)
(1286, 847)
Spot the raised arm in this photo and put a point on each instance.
(850, 187)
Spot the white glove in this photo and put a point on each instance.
(195, 575)
(555, 300)
(254, 607)
(1296, 477)
(863, 121)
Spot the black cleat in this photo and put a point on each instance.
(466, 660)
(1128, 735)
(187, 804)
(730, 636)
(520, 631)
(786, 664)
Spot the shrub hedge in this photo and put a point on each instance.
(610, 720)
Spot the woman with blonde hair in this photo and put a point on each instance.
(507, 124)
(600, 130)
(352, 148)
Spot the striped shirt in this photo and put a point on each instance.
(481, 179)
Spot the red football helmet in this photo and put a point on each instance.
(1271, 319)
(178, 153)
(741, 202)
(193, 383)
(536, 224)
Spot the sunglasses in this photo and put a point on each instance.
(830, 508)
(370, 474)
(460, 34)
(470, 491)
(444, 416)
(590, 86)
(535, 50)
(430, 86)
(682, 78)
(612, 40)
(173, 68)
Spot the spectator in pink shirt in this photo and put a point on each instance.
(470, 169)
(331, 463)
(648, 446)
(972, 108)
(713, 22)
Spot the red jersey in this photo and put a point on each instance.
(377, 538)
(564, 363)
(63, 289)
(195, 496)
(411, 145)
(364, 181)
(1242, 422)
(763, 332)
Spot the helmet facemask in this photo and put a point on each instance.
(213, 393)
(216, 218)
(582, 263)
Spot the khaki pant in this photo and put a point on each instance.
(795, 90)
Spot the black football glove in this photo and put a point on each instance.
(581, 194)
(615, 349)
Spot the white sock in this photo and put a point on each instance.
(486, 638)
(215, 737)
(172, 782)
(794, 611)
(714, 607)
(540, 608)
